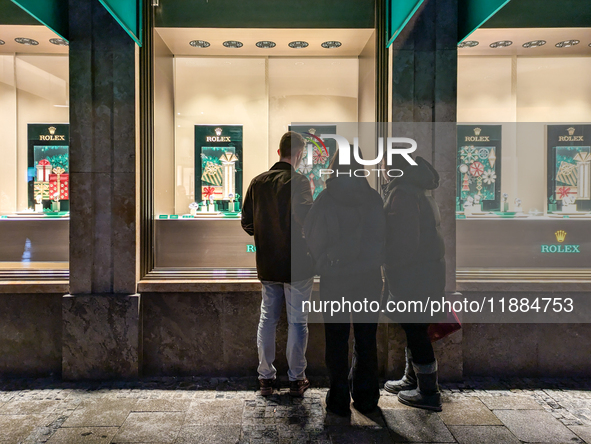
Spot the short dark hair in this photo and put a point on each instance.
(290, 140)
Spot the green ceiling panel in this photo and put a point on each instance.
(543, 14)
(399, 13)
(266, 14)
(51, 13)
(472, 14)
(128, 15)
(11, 14)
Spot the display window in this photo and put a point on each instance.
(523, 200)
(223, 100)
(34, 115)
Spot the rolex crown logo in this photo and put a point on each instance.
(571, 131)
(312, 131)
(218, 131)
(560, 235)
(51, 130)
(477, 131)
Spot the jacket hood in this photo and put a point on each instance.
(423, 176)
(349, 191)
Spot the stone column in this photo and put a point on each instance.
(101, 321)
(424, 91)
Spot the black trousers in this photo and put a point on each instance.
(419, 343)
(361, 378)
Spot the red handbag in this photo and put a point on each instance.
(442, 329)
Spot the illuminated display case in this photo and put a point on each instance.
(537, 227)
(219, 117)
(34, 184)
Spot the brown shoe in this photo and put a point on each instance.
(266, 386)
(297, 388)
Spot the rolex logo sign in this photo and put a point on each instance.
(218, 136)
(52, 136)
(560, 248)
(560, 235)
(477, 137)
(571, 136)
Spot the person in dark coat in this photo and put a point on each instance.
(345, 233)
(274, 210)
(415, 270)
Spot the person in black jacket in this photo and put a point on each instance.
(415, 270)
(274, 209)
(345, 232)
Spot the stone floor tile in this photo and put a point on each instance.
(467, 411)
(83, 435)
(390, 401)
(101, 413)
(215, 412)
(416, 426)
(535, 426)
(28, 407)
(203, 434)
(374, 419)
(351, 435)
(162, 405)
(14, 428)
(483, 435)
(160, 427)
(583, 432)
(512, 402)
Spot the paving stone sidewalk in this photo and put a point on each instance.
(220, 410)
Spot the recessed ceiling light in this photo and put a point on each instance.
(468, 44)
(298, 44)
(331, 44)
(567, 43)
(199, 44)
(233, 44)
(59, 42)
(501, 44)
(534, 44)
(299, 63)
(2, 42)
(266, 44)
(26, 41)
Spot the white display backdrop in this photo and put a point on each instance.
(33, 89)
(515, 89)
(265, 95)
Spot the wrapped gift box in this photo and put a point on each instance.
(64, 187)
(41, 189)
(43, 170)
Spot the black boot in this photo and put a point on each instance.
(409, 379)
(426, 395)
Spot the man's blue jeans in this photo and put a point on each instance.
(294, 294)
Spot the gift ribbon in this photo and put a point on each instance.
(583, 157)
(563, 192)
(208, 191)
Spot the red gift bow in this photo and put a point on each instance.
(208, 191)
(563, 192)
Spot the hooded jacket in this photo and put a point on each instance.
(345, 229)
(415, 248)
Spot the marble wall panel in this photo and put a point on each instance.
(30, 335)
(101, 337)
